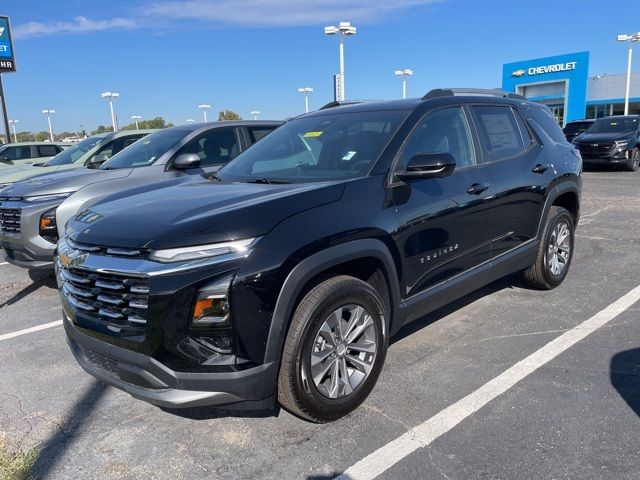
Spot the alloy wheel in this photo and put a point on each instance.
(343, 351)
(559, 248)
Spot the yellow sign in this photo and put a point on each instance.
(312, 134)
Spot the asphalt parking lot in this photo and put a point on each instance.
(576, 415)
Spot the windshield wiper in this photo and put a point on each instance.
(265, 180)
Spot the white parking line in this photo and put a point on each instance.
(4, 263)
(37, 328)
(421, 436)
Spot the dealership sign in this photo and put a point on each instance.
(7, 61)
(554, 68)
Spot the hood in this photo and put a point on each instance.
(198, 213)
(603, 137)
(20, 173)
(62, 181)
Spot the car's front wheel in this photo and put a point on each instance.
(334, 350)
(634, 160)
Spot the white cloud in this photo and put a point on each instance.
(78, 25)
(280, 12)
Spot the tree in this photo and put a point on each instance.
(157, 122)
(101, 129)
(228, 115)
(24, 137)
(42, 136)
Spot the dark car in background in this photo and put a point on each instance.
(572, 129)
(283, 276)
(612, 141)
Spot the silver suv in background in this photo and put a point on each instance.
(24, 153)
(33, 212)
(90, 152)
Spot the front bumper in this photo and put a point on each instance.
(145, 378)
(26, 248)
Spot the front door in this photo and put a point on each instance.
(444, 223)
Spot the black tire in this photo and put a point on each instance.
(297, 391)
(539, 275)
(634, 160)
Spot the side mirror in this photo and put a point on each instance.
(428, 165)
(98, 159)
(186, 161)
(4, 159)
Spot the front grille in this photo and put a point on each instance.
(10, 219)
(102, 362)
(595, 149)
(119, 300)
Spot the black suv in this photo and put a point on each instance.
(283, 276)
(612, 141)
(572, 129)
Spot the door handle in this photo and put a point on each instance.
(477, 188)
(541, 168)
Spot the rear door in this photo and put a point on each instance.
(520, 172)
(445, 224)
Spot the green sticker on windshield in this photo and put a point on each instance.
(312, 134)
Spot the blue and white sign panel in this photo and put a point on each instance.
(537, 78)
(7, 60)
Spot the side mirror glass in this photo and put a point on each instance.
(428, 165)
(186, 161)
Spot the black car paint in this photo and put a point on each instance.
(599, 148)
(306, 229)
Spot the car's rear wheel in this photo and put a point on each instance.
(634, 160)
(334, 350)
(555, 251)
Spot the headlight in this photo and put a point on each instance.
(202, 251)
(623, 144)
(46, 198)
(211, 318)
(47, 226)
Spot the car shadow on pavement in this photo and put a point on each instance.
(53, 449)
(625, 377)
(48, 282)
(510, 281)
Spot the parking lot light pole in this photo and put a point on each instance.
(135, 118)
(255, 114)
(404, 74)
(111, 96)
(48, 113)
(13, 126)
(204, 107)
(306, 91)
(631, 39)
(344, 29)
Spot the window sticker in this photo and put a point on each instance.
(348, 156)
(312, 134)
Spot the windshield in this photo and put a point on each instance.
(317, 148)
(75, 153)
(574, 127)
(614, 125)
(146, 150)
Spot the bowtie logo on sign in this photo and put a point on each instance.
(1, 31)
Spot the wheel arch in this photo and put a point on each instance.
(322, 263)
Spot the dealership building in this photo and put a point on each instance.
(564, 84)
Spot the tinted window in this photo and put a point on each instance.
(16, 153)
(119, 144)
(146, 150)
(500, 132)
(47, 150)
(256, 133)
(543, 117)
(317, 148)
(76, 152)
(524, 130)
(575, 127)
(442, 131)
(214, 147)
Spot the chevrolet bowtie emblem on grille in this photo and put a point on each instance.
(71, 258)
(518, 73)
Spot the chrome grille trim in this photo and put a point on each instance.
(10, 219)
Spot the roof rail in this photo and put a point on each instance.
(450, 92)
(337, 103)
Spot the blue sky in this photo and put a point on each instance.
(165, 57)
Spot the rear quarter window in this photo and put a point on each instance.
(547, 123)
